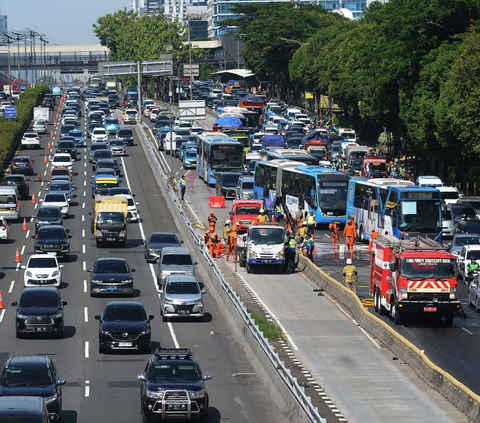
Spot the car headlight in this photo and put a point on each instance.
(128, 281)
(96, 281)
(281, 252)
(199, 302)
(252, 251)
(50, 399)
(64, 245)
(197, 394)
(145, 332)
(163, 274)
(98, 233)
(122, 233)
(22, 316)
(403, 292)
(453, 294)
(168, 301)
(105, 332)
(29, 274)
(57, 316)
(55, 274)
(154, 394)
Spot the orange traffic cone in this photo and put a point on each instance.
(49, 146)
(39, 177)
(1, 301)
(45, 160)
(24, 228)
(33, 198)
(55, 124)
(17, 256)
(57, 117)
(51, 134)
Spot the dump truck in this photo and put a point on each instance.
(109, 220)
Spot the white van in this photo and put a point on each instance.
(292, 112)
(429, 181)
(9, 203)
(449, 195)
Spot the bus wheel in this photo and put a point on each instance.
(361, 236)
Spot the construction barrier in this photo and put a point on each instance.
(216, 202)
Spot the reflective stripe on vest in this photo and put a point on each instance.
(350, 273)
(292, 244)
(311, 219)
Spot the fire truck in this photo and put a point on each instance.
(374, 167)
(415, 276)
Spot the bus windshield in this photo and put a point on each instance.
(226, 157)
(428, 267)
(420, 215)
(333, 197)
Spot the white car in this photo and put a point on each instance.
(465, 257)
(4, 229)
(181, 124)
(62, 160)
(132, 211)
(99, 135)
(39, 126)
(59, 200)
(68, 116)
(42, 270)
(30, 140)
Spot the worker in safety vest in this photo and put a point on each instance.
(302, 230)
(335, 234)
(349, 234)
(350, 276)
(373, 236)
(231, 243)
(278, 213)
(291, 252)
(212, 243)
(310, 247)
(311, 223)
(226, 229)
(212, 220)
(262, 218)
(183, 186)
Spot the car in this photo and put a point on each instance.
(102, 185)
(448, 225)
(105, 172)
(462, 211)
(474, 293)
(77, 135)
(101, 154)
(99, 135)
(465, 257)
(190, 158)
(225, 184)
(157, 241)
(124, 325)
(91, 127)
(40, 310)
(96, 117)
(65, 129)
(174, 261)
(48, 215)
(429, 181)
(48, 102)
(244, 188)
(94, 147)
(61, 171)
(59, 200)
(22, 164)
(130, 116)
(112, 125)
(111, 275)
(22, 409)
(62, 187)
(126, 134)
(108, 164)
(62, 160)
(473, 201)
(42, 270)
(449, 195)
(4, 229)
(469, 227)
(39, 126)
(20, 182)
(117, 147)
(183, 147)
(460, 240)
(160, 123)
(53, 239)
(181, 296)
(68, 147)
(28, 376)
(173, 386)
(30, 140)
(132, 210)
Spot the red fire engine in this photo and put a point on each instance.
(413, 276)
(244, 211)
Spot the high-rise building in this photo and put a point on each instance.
(3, 24)
(143, 7)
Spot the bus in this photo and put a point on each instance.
(216, 152)
(95, 82)
(131, 96)
(292, 154)
(394, 207)
(318, 189)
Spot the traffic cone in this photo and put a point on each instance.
(39, 177)
(49, 146)
(56, 117)
(55, 124)
(24, 228)
(45, 160)
(33, 198)
(1, 301)
(51, 134)
(17, 256)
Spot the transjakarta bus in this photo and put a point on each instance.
(318, 189)
(216, 152)
(394, 207)
(292, 154)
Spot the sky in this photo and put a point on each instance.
(62, 21)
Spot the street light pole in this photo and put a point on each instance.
(9, 41)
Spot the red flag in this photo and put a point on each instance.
(21, 79)
(13, 82)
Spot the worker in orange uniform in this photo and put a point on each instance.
(335, 234)
(231, 243)
(372, 238)
(212, 243)
(352, 217)
(206, 236)
(212, 220)
(219, 249)
(349, 234)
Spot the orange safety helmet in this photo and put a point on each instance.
(352, 217)
(349, 221)
(211, 212)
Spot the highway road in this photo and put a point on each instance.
(103, 387)
(362, 378)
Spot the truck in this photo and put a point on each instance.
(354, 152)
(413, 277)
(262, 245)
(347, 134)
(108, 221)
(374, 167)
(317, 149)
(41, 113)
(170, 143)
(243, 212)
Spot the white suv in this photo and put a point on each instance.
(99, 135)
(30, 140)
(42, 270)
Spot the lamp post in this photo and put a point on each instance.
(45, 42)
(9, 41)
(301, 45)
(25, 56)
(33, 64)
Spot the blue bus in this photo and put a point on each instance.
(318, 189)
(394, 207)
(216, 153)
(296, 155)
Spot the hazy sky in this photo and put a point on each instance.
(62, 21)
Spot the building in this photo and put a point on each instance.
(175, 9)
(143, 7)
(3, 24)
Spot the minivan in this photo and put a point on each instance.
(244, 188)
(174, 261)
(28, 409)
(9, 203)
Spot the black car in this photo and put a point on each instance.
(126, 134)
(462, 211)
(40, 310)
(156, 242)
(65, 129)
(468, 227)
(96, 118)
(92, 126)
(225, 184)
(173, 386)
(53, 239)
(48, 102)
(100, 154)
(67, 146)
(111, 276)
(22, 164)
(33, 375)
(124, 325)
(23, 409)
(108, 164)
(48, 215)
(20, 182)
(160, 123)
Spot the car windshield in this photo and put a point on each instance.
(110, 218)
(125, 132)
(103, 155)
(28, 375)
(177, 260)
(473, 254)
(38, 299)
(173, 371)
(49, 233)
(66, 144)
(105, 171)
(467, 211)
(117, 142)
(21, 159)
(101, 146)
(449, 195)
(14, 179)
(230, 179)
(55, 198)
(191, 153)
(60, 186)
(182, 288)
(39, 262)
(471, 227)
(124, 313)
(466, 240)
(111, 121)
(446, 214)
(428, 267)
(61, 159)
(247, 210)
(164, 239)
(247, 186)
(475, 204)
(49, 212)
(111, 266)
(267, 236)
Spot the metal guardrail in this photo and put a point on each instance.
(297, 391)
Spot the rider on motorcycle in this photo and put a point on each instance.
(473, 266)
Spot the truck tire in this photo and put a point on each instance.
(395, 315)
(281, 268)
(449, 318)
(248, 268)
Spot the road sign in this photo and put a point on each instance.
(194, 70)
(308, 95)
(148, 67)
(191, 110)
(10, 111)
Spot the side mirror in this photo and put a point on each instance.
(98, 317)
(62, 266)
(137, 204)
(181, 242)
(132, 270)
(23, 267)
(69, 236)
(14, 304)
(207, 376)
(64, 303)
(195, 263)
(393, 267)
(204, 291)
(74, 188)
(90, 270)
(151, 317)
(61, 381)
(141, 377)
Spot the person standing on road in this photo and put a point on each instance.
(183, 186)
(212, 220)
(350, 276)
(311, 223)
(226, 229)
(349, 233)
(373, 236)
(231, 243)
(310, 247)
(291, 252)
(335, 234)
(352, 218)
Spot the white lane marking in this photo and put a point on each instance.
(83, 218)
(85, 173)
(84, 266)
(44, 173)
(11, 287)
(84, 183)
(23, 249)
(87, 390)
(31, 219)
(39, 193)
(85, 313)
(36, 204)
(87, 349)
(369, 337)
(84, 285)
(2, 314)
(27, 234)
(174, 337)
(466, 330)
(176, 174)
(277, 321)
(83, 234)
(84, 193)
(41, 184)
(327, 236)
(83, 205)
(18, 267)
(83, 249)
(85, 164)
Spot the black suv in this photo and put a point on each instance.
(40, 310)
(124, 325)
(20, 182)
(67, 146)
(126, 134)
(226, 183)
(53, 239)
(48, 215)
(33, 375)
(173, 386)
(22, 164)
(157, 241)
(111, 275)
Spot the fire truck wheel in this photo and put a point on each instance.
(395, 314)
(376, 301)
(361, 236)
(449, 319)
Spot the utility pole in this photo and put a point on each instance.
(9, 41)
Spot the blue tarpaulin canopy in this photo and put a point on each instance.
(229, 122)
(313, 135)
(273, 141)
(252, 98)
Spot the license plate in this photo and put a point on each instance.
(430, 309)
(194, 165)
(183, 311)
(112, 288)
(36, 329)
(110, 239)
(176, 402)
(125, 344)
